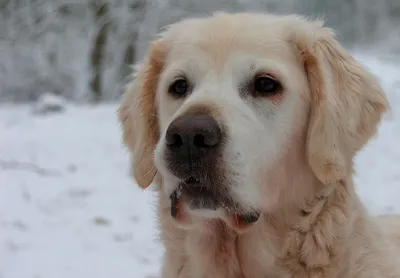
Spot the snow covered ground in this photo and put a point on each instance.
(68, 207)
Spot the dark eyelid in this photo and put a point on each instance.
(264, 74)
(272, 76)
(178, 77)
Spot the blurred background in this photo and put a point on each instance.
(82, 50)
(68, 206)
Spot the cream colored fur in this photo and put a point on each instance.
(296, 166)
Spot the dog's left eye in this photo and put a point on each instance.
(266, 86)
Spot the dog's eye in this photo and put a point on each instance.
(179, 87)
(266, 86)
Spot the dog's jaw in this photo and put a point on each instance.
(182, 210)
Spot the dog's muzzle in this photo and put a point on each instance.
(193, 151)
(193, 147)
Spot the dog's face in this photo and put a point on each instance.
(229, 103)
(230, 110)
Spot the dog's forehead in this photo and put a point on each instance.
(221, 37)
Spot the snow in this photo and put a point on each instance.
(79, 215)
(69, 208)
(49, 103)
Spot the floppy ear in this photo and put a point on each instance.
(347, 103)
(138, 116)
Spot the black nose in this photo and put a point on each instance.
(191, 137)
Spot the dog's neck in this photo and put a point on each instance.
(310, 237)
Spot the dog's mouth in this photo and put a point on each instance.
(193, 195)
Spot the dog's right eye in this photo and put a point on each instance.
(266, 86)
(179, 88)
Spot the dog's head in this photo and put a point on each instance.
(234, 110)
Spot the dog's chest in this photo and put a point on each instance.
(223, 254)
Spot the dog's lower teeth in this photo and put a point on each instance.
(191, 180)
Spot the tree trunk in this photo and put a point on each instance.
(97, 56)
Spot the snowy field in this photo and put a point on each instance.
(68, 207)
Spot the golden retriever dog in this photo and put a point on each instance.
(248, 124)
